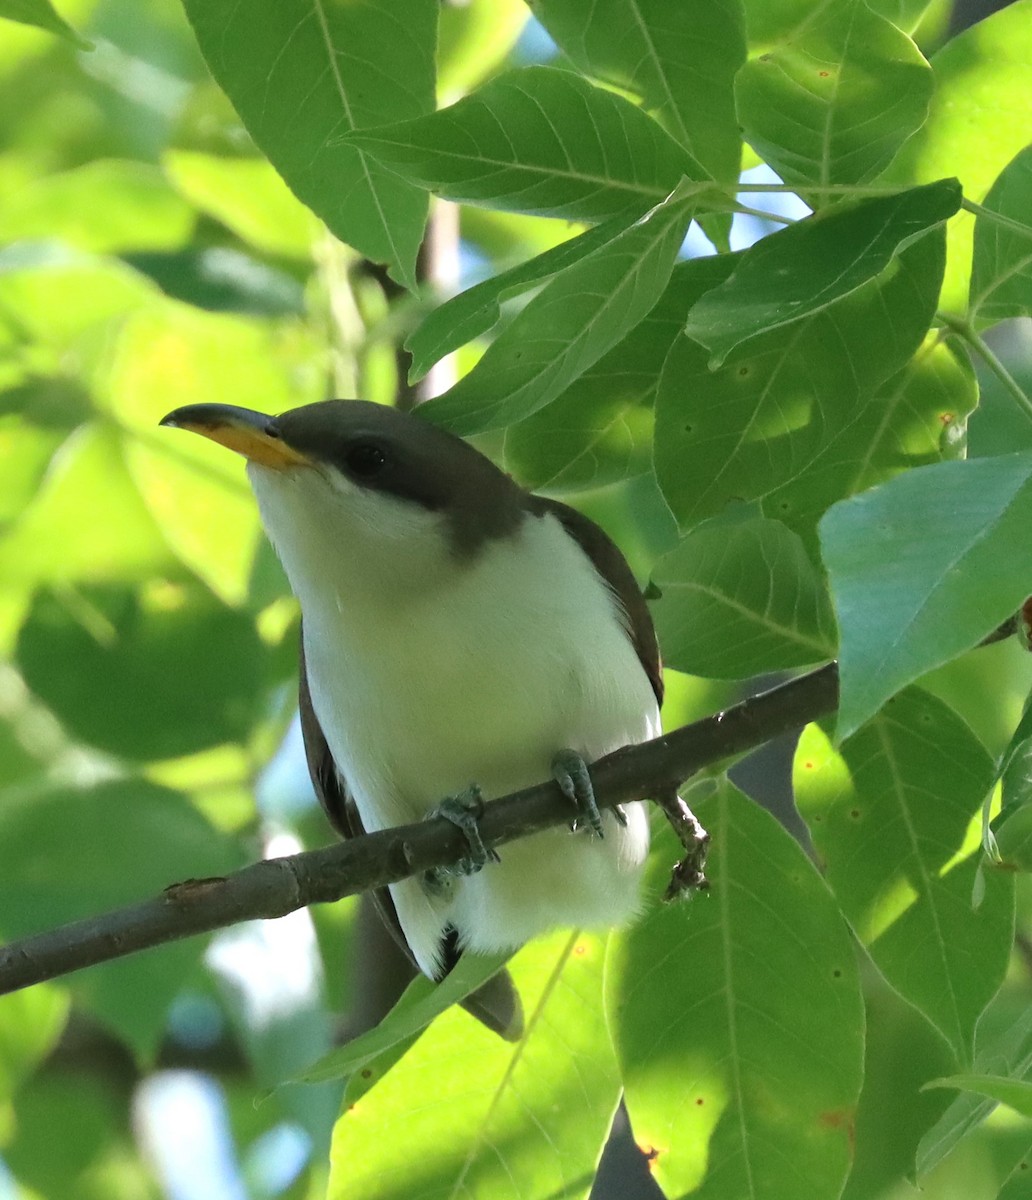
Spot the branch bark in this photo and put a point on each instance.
(279, 886)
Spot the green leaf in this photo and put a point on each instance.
(980, 118)
(833, 103)
(565, 329)
(248, 197)
(680, 59)
(1013, 836)
(922, 568)
(159, 673)
(70, 854)
(51, 542)
(103, 206)
(478, 308)
(890, 813)
(1015, 1186)
(1015, 1093)
(421, 1002)
(540, 141)
(759, 423)
(31, 1021)
(802, 270)
(474, 39)
(741, 599)
(917, 417)
(720, 1010)
(521, 1120)
(1001, 273)
(301, 75)
(1004, 1047)
(43, 15)
(599, 430)
(186, 480)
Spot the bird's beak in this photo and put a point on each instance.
(252, 434)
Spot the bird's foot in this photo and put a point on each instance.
(462, 810)
(570, 772)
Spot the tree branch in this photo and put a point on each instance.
(278, 886)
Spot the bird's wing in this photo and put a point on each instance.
(496, 1003)
(610, 563)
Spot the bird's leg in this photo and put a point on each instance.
(463, 811)
(570, 772)
(689, 874)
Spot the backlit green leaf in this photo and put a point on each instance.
(706, 1002)
(917, 417)
(600, 429)
(564, 330)
(43, 15)
(523, 1120)
(680, 59)
(805, 268)
(247, 196)
(541, 141)
(890, 813)
(102, 206)
(922, 568)
(301, 75)
(1015, 1093)
(833, 103)
(741, 599)
(980, 117)
(760, 421)
(1001, 274)
(477, 309)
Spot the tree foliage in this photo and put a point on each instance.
(809, 426)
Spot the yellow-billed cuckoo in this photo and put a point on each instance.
(456, 628)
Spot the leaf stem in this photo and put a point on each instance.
(967, 333)
(979, 210)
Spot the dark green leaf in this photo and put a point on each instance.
(71, 854)
(302, 75)
(890, 814)
(680, 59)
(600, 429)
(804, 269)
(720, 1010)
(922, 568)
(565, 329)
(760, 422)
(158, 673)
(1015, 1186)
(741, 599)
(43, 15)
(476, 310)
(834, 102)
(1001, 274)
(541, 141)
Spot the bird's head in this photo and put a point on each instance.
(347, 488)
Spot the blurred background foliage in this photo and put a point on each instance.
(150, 257)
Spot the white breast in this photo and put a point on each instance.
(479, 676)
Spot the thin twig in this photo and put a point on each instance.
(278, 886)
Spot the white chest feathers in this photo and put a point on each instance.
(479, 675)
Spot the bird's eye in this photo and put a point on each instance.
(365, 459)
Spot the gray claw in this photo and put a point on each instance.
(570, 771)
(463, 811)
